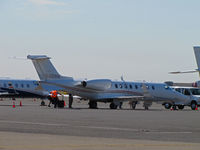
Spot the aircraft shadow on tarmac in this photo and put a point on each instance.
(82, 108)
(123, 109)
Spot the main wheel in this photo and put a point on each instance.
(181, 107)
(92, 105)
(113, 106)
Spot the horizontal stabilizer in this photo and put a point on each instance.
(37, 57)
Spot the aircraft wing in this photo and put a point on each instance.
(182, 72)
(6, 94)
(136, 97)
(129, 98)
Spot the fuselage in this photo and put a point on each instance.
(105, 90)
(24, 88)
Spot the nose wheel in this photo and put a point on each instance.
(113, 106)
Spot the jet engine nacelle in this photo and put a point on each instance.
(100, 84)
(196, 84)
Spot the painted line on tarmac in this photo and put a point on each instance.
(102, 145)
(96, 127)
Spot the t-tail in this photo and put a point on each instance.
(197, 56)
(44, 67)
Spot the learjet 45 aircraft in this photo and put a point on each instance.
(105, 90)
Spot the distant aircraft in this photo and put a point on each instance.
(21, 88)
(106, 90)
(195, 84)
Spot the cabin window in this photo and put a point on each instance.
(121, 86)
(125, 85)
(16, 85)
(153, 87)
(27, 85)
(22, 85)
(130, 86)
(116, 86)
(136, 87)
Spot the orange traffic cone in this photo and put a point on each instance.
(20, 104)
(13, 105)
(64, 103)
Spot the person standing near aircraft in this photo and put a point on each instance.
(54, 98)
(50, 99)
(70, 100)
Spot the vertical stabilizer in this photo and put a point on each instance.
(197, 56)
(44, 67)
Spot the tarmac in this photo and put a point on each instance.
(40, 127)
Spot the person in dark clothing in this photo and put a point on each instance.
(54, 98)
(55, 101)
(70, 100)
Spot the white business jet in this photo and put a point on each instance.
(106, 90)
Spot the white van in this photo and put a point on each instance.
(191, 96)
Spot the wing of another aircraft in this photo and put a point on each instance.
(4, 93)
(197, 57)
(182, 72)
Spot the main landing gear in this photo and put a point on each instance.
(113, 106)
(133, 104)
(146, 105)
(92, 104)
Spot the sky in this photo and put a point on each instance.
(139, 39)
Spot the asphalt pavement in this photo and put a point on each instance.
(137, 129)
